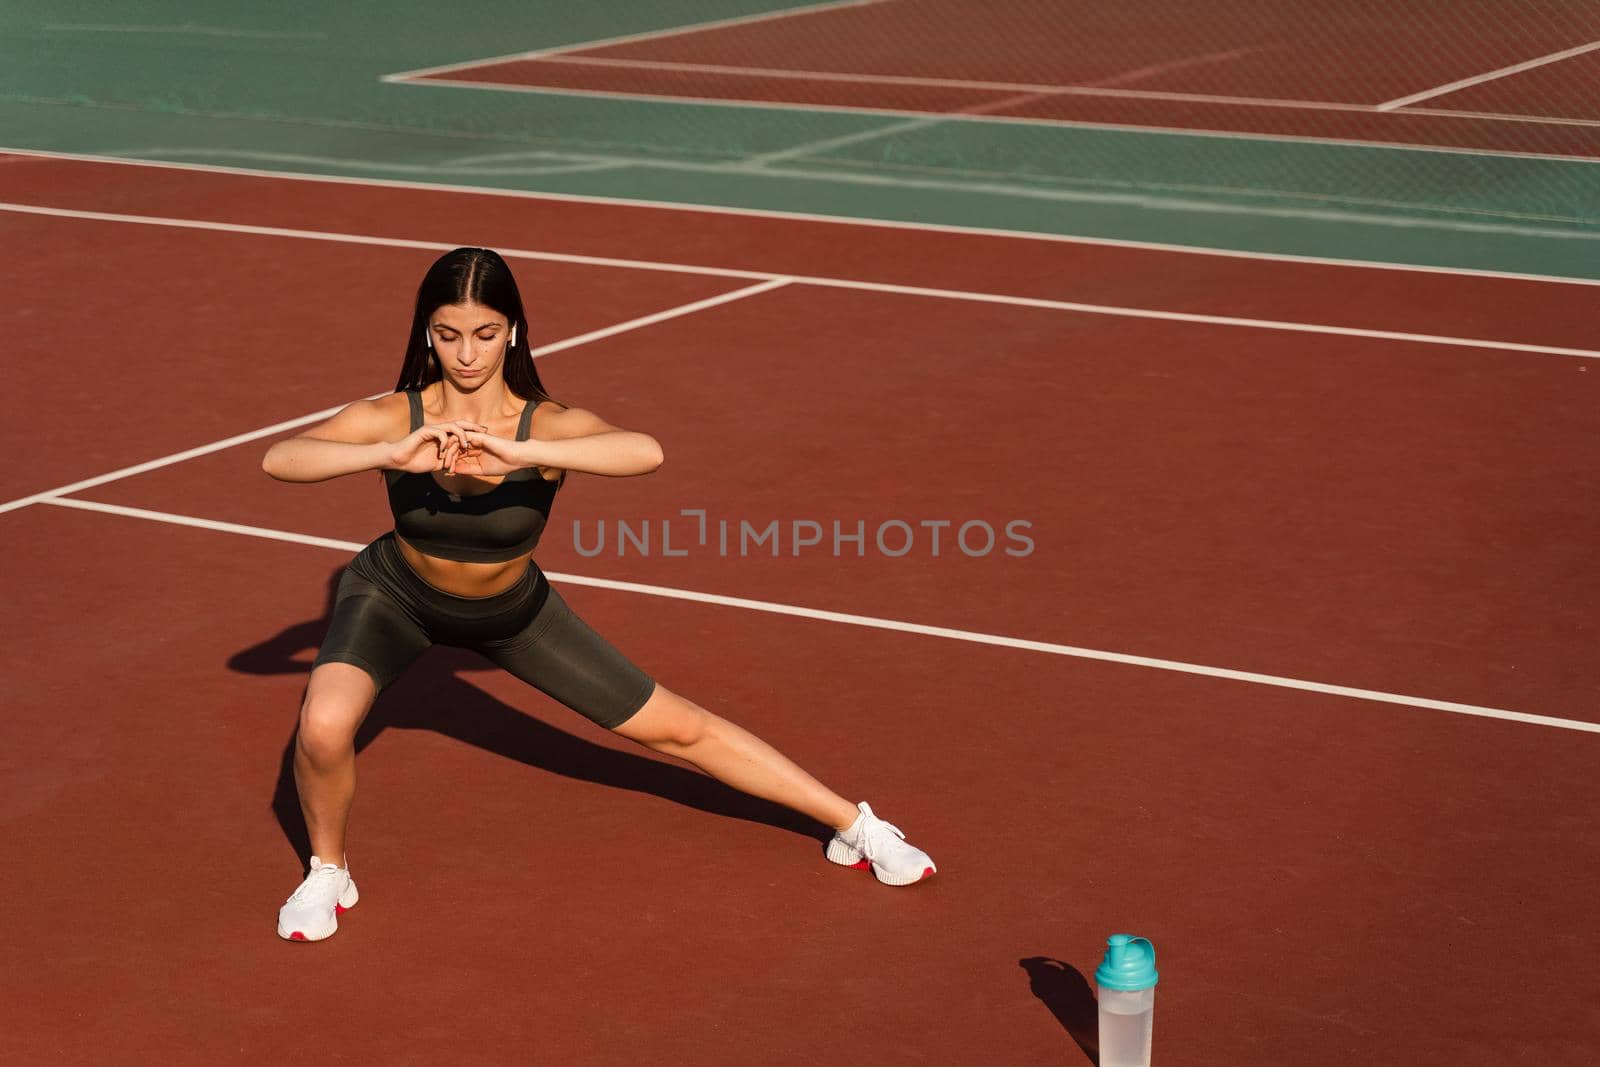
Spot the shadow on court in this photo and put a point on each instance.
(1066, 992)
(431, 696)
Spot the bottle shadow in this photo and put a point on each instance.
(1068, 995)
(431, 696)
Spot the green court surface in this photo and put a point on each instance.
(297, 87)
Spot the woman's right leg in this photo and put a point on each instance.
(337, 699)
(373, 636)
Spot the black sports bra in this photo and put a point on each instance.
(491, 527)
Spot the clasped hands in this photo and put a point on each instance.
(459, 447)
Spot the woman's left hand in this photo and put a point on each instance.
(488, 456)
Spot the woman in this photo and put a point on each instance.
(473, 451)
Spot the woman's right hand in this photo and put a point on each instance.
(432, 447)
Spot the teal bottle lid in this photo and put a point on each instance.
(1130, 964)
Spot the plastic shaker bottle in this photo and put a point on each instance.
(1126, 980)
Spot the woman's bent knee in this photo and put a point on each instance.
(337, 699)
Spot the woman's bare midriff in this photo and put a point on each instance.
(464, 579)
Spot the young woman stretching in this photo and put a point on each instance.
(473, 451)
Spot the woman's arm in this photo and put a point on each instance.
(575, 439)
(355, 440)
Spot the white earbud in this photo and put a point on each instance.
(427, 338)
(513, 335)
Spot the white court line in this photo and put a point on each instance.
(1212, 320)
(50, 495)
(791, 216)
(202, 524)
(566, 55)
(1174, 198)
(801, 74)
(455, 166)
(381, 242)
(806, 148)
(827, 282)
(1479, 79)
(1040, 88)
(1169, 66)
(176, 457)
(631, 38)
(1496, 116)
(1036, 88)
(895, 625)
(764, 160)
(663, 316)
(206, 31)
(1024, 120)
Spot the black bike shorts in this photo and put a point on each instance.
(385, 616)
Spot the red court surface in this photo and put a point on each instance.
(1252, 68)
(1319, 872)
(1564, 89)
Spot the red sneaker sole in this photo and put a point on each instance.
(338, 909)
(866, 865)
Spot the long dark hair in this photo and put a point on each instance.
(470, 276)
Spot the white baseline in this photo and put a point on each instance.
(896, 625)
(817, 280)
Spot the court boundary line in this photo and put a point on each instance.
(959, 116)
(643, 35)
(46, 496)
(1177, 200)
(176, 457)
(1048, 89)
(201, 31)
(792, 216)
(1478, 79)
(814, 280)
(894, 625)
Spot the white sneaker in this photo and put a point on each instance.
(871, 842)
(311, 912)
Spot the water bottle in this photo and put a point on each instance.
(1126, 979)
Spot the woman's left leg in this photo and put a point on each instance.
(561, 655)
(677, 726)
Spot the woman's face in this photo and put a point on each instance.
(470, 341)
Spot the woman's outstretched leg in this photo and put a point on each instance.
(337, 699)
(673, 725)
(565, 658)
(676, 726)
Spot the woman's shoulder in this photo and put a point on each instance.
(389, 410)
(555, 421)
(372, 419)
